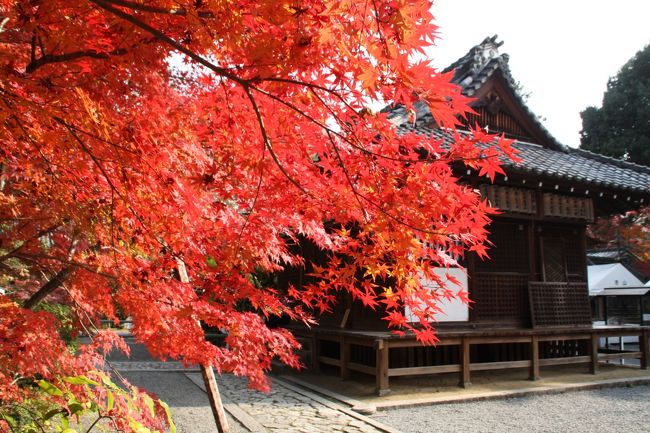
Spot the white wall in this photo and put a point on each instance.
(453, 310)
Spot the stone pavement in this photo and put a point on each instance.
(124, 366)
(286, 409)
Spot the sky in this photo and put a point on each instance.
(561, 51)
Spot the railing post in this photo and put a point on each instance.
(344, 347)
(534, 358)
(465, 363)
(381, 372)
(593, 349)
(315, 352)
(645, 349)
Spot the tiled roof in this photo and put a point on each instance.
(571, 164)
(482, 62)
(563, 163)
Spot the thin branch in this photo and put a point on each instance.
(157, 10)
(39, 234)
(101, 417)
(95, 136)
(169, 41)
(267, 143)
(57, 58)
(347, 176)
(35, 257)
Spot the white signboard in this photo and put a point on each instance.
(453, 310)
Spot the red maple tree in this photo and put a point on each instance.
(137, 135)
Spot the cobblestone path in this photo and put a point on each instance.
(286, 409)
(289, 409)
(152, 366)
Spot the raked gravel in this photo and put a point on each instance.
(614, 410)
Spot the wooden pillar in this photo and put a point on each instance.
(593, 349)
(215, 399)
(645, 349)
(381, 373)
(465, 364)
(534, 358)
(345, 357)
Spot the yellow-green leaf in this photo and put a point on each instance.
(172, 426)
(49, 388)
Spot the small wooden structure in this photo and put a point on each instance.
(531, 305)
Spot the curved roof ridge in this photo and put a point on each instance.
(611, 160)
(480, 63)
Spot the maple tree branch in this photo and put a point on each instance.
(158, 10)
(347, 176)
(267, 143)
(41, 233)
(169, 41)
(36, 63)
(54, 283)
(35, 257)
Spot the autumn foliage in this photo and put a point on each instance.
(214, 134)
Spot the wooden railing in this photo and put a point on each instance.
(574, 346)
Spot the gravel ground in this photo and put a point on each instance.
(613, 410)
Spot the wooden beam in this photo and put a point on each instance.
(417, 371)
(329, 361)
(501, 365)
(362, 368)
(619, 355)
(215, 399)
(444, 341)
(565, 360)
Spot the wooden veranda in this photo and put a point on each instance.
(386, 355)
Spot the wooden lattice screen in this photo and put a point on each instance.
(510, 199)
(557, 304)
(568, 207)
(554, 259)
(510, 251)
(501, 298)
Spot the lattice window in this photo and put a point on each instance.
(510, 252)
(501, 297)
(559, 304)
(554, 259)
(568, 207)
(510, 199)
(572, 250)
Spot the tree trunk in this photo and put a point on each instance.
(47, 288)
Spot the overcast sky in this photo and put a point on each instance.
(562, 51)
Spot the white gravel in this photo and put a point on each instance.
(606, 410)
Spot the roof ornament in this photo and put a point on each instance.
(484, 52)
